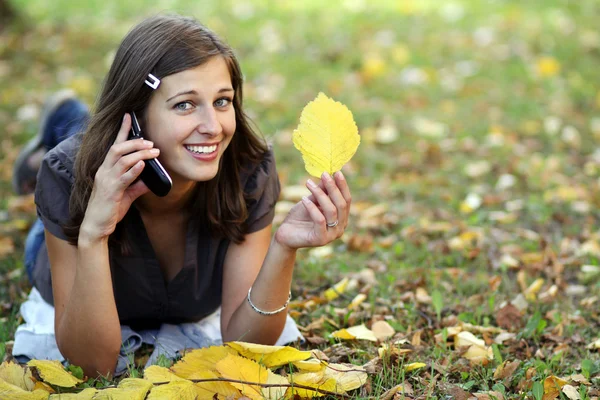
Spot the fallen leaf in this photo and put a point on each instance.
(270, 356)
(200, 359)
(243, 369)
(176, 390)
(552, 387)
(127, 389)
(382, 330)
(413, 366)
(509, 317)
(54, 373)
(571, 392)
(156, 374)
(85, 394)
(327, 136)
(16, 375)
(360, 332)
(506, 369)
(334, 292)
(12, 392)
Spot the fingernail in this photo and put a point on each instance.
(340, 175)
(148, 143)
(124, 117)
(311, 183)
(326, 175)
(154, 151)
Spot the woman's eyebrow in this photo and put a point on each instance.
(223, 90)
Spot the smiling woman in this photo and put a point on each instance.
(113, 262)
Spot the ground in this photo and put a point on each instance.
(475, 187)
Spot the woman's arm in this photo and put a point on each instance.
(268, 268)
(86, 322)
(87, 327)
(270, 288)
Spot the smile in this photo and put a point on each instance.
(202, 149)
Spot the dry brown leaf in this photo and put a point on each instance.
(506, 369)
(509, 317)
(552, 387)
(382, 330)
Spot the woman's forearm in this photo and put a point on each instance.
(269, 292)
(89, 333)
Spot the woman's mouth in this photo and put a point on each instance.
(204, 153)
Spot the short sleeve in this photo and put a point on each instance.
(52, 192)
(262, 191)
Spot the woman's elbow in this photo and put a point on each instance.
(94, 362)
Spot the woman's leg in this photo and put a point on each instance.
(64, 115)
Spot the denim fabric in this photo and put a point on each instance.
(70, 118)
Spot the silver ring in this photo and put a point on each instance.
(333, 224)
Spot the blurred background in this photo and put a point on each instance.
(479, 124)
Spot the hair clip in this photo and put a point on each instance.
(155, 81)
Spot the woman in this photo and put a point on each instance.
(119, 254)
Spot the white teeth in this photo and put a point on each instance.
(202, 149)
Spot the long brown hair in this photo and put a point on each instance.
(163, 45)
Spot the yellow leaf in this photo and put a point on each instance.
(207, 390)
(533, 289)
(327, 136)
(16, 375)
(270, 356)
(547, 67)
(242, 369)
(413, 366)
(594, 345)
(53, 372)
(12, 392)
(312, 379)
(312, 365)
(360, 332)
(85, 394)
(465, 338)
(347, 377)
(333, 292)
(357, 301)
(175, 390)
(156, 374)
(128, 389)
(276, 392)
(200, 360)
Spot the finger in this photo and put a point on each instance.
(126, 179)
(328, 208)
(312, 197)
(119, 150)
(137, 189)
(315, 214)
(335, 195)
(126, 162)
(124, 129)
(342, 184)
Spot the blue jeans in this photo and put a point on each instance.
(70, 118)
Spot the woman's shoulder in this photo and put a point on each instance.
(61, 158)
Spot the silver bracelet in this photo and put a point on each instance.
(261, 312)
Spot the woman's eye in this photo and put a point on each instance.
(222, 102)
(183, 106)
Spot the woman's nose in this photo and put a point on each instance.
(209, 123)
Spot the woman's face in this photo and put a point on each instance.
(191, 119)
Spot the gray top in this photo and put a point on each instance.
(142, 296)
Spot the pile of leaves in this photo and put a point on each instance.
(233, 371)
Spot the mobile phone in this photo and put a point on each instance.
(153, 175)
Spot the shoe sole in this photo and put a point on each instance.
(51, 105)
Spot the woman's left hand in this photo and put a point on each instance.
(319, 218)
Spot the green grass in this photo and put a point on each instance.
(469, 69)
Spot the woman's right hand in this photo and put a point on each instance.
(113, 191)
